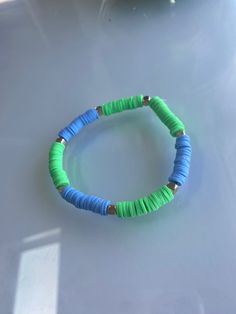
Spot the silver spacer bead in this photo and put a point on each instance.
(180, 133)
(173, 186)
(146, 100)
(61, 140)
(60, 189)
(99, 110)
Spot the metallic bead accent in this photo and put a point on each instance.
(146, 100)
(99, 110)
(61, 140)
(60, 189)
(111, 209)
(173, 186)
(180, 133)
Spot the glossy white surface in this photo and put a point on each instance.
(60, 57)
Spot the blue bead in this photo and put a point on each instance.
(77, 124)
(87, 202)
(182, 160)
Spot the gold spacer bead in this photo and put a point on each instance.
(173, 186)
(111, 209)
(146, 100)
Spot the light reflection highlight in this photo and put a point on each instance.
(43, 235)
(37, 284)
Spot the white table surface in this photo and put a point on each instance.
(61, 57)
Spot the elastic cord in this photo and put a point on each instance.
(57, 172)
(146, 204)
(77, 124)
(182, 160)
(122, 104)
(173, 123)
(88, 202)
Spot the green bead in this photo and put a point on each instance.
(173, 123)
(145, 205)
(57, 172)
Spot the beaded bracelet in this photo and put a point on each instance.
(140, 206)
